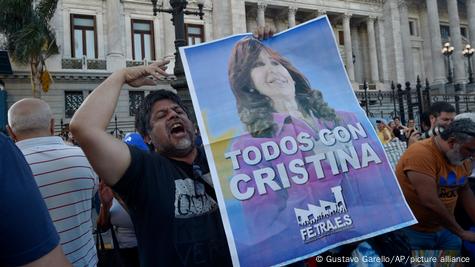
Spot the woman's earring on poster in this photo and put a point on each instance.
(252, 90)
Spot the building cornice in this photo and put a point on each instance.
(316, 3)
(373, 7)
(368, 1)
(73, 76)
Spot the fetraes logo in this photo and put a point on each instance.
(323, 220)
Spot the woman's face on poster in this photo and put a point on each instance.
(272, 79)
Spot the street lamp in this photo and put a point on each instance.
(178, 10)
(447, 50)
(468, 53)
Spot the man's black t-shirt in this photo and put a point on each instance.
(176, 222)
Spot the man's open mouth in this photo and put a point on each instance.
(177, 128)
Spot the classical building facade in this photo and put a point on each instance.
(380, 41)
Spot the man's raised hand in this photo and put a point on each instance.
(263, 32)
(140, 75)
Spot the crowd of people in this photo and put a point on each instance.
(150, 183)
(439, 116)
(433, 173)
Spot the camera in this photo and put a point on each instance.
(432, 132)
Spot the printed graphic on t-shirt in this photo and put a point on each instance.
(451, 180)
(191, 199)
(448, 186)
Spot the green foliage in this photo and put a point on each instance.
(46, 8)
(14, 14)
(29, 35)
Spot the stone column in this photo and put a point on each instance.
(355, 46)
(168, 40)
(471, 20)
(456, 37)
(348, 49)
(115, 24)
(406, 43)
(471, 23)
(157, 38)
(436, 41)
(382, 46)
(237, 9)
(221, 22)
(428, 67)
(394, 44)
(292, 11)
(373, 56)
(261, 13)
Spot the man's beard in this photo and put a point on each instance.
(182, 148)
(454, 156)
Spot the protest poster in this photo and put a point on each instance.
(296, 164)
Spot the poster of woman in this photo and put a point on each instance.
(297, 166)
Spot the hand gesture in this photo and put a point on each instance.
(105, 195)
(140, 75)
(414, 136)
(263, 32)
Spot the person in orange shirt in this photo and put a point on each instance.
(433, 177)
